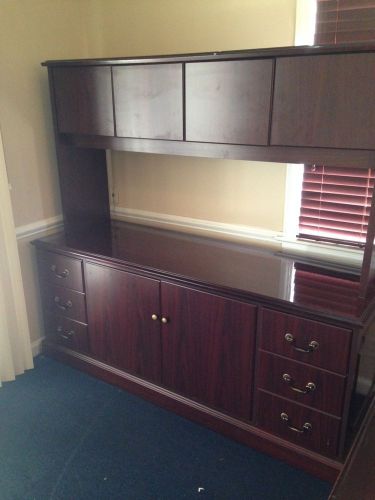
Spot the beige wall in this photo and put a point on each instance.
(30, 32)
(216, 190)
(141, 27)
(229, 191)
(35, 30)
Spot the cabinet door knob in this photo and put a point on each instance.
(154, 317)
(164, 320)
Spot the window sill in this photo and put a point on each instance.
(328, 252)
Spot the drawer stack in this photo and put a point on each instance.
(63, 298)
(301, 380)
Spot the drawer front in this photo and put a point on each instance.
(305, 340)
(61, 270)
(304, 384)
(67, 332)
(303, 426)
(64, 302)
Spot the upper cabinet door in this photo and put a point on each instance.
(149, 101)
(325, 101)
(83, 98)
(228, 102)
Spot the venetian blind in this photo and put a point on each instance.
(344, 21)
(335, 201)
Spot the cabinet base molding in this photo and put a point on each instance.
(313, 463)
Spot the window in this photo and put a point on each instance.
(335, 201)
(340, 21)
(335, 204)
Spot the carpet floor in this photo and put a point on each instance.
(66, 435)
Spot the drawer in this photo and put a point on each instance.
(305, 340)
(61, 270)
(67, 332)
(64, 302)
(303, 426)
(304, 384)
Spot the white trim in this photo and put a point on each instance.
(292, 205)
(323, 251)
(39, 226)
(195, 225)
(305, 22)
(36, 346)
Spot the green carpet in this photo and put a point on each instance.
(66, 435)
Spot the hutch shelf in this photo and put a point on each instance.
(260, 346)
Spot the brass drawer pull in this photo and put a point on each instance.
(64, 274)
(65, 335)
(65, 306)
(164, 320)
(309, 387)
(313, 345)
(154, 317)
(307, 427)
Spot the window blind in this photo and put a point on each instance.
(336, 202)
(345, 21)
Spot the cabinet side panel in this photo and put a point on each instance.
(84, 189)
(83, 181)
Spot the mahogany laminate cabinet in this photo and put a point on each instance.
(83, 98)
(148, 101)
(323, 101)
(122, 333)
(63, 299)
(208, 348)
(229, 101)
(213, 331)
(186, 322)
(197, 344)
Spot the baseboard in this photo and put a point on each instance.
(36, 346)
(191, 225)
(38, 227)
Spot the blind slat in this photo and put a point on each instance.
(334, 207)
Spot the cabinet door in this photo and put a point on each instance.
(83, 98)
(323, 101)
(121, 330)
(148, 101)
(228, 101)
(208, 347)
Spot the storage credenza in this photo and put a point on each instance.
(263, 347)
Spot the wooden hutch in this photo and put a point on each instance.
(260, 346)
